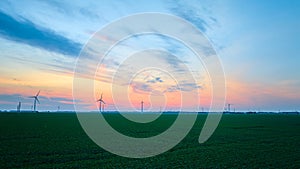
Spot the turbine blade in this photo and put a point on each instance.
(103, 101)
(31, 97)
(37, 93)
(37, 100)
(101, 96)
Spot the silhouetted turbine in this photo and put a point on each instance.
(100, 102)
(19, 107)
(35, 100)
(142, 106)
(229, 106)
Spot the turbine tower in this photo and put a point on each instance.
(142, 106)
(100, 102)
(19, 107)
(228, 107)
(35, 99)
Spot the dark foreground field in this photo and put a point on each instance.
(241, 141)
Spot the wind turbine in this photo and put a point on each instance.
(19, 106)
(35, 100)
(100, 102)
(228, 109)
(142, 106)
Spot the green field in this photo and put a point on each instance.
(240, 141)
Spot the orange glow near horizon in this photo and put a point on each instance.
(59, 85)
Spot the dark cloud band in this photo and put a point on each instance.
(26, 32)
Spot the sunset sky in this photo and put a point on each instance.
(257, 43)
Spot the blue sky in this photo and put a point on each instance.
(257, 42)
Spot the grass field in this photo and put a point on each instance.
(240, 141)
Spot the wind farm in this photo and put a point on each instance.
(102, 103)
(43, 136)
(160, 84)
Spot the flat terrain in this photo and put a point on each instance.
(240, 141)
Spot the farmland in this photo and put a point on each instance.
(56, 140)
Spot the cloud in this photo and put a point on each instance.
(62, 100)
(172, 88)
(182, 87)
(26, 32)
(10, 101)
(187, 86)
(140, 87)
(189, 13)
(158, 79)
(155, 80)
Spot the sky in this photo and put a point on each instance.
(256, 41)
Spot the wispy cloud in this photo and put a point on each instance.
(24, 31)
(190, 13)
